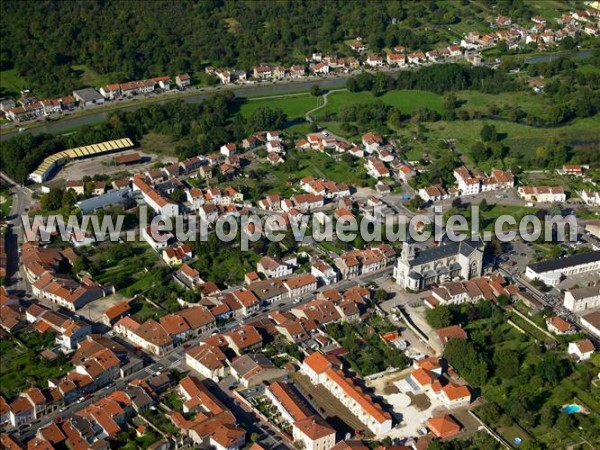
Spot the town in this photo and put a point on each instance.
(163, 342)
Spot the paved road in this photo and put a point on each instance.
(21, 202)
(323, 105)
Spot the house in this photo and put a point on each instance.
(376, 168)
(591, 322)
(156, 238)
(455, 396)
(183, 80)
(314, 433)
(253, 369)
(228, 149)
(374, 60)
(191, 275)
(451, 332)
(272, 267)
(243, 339)
(590, 197)
(559, 326)
(396, 59)
(275, 158)
(150, 336)
(249, 143)
(301, 285)
(323, 272)
(371, 142)
(262, 72)
(443, 427)
(325, 372)
(581, 349)
(582, 299)
(77, 185)
(208, 360)
(433, 193)
(115, 313)
(545, 194)
(321, 68)
(175, 256)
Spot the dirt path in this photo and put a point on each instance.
(323, 105)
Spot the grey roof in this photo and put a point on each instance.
(585, 292)
(112, 197)
(563, 263)
(465, 247)
(88, 94)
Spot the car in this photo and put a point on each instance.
(325, 133)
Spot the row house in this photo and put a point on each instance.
(433, 193)
(324, 372)
(545, 194)
(376, 168)
(155, 200)
(306, 202)
(301, 285)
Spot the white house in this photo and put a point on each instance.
(582, 349)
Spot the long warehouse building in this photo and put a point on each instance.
(45, 169)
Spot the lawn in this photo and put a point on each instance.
(11, 82)
(528, 101)
(406, 101)
(158, 144)
(110, 270)
(89, 77)
(321, 165)
(31, 370)
(294, 106)
(522, 139)
(143, 310)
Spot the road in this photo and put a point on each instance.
(22, 198)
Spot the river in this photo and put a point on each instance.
(86, 118)
(555, 56)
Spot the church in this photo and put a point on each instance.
(419, 269)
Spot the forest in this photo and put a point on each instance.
(43, 40)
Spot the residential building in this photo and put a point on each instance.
(591, 322)
(544, 194)
(208, 360)
(582, 299)
(322, 371)
(582, 349)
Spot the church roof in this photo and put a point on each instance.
(445, 250)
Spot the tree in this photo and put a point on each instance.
(479, 151)
(439, 317)
(381, 295)
(506, 363)
(548, 416)
(416, 202)
(488, 133)
(315, 90)
(483, 205)
(457, 203)
(52, 200)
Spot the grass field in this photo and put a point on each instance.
(159, 144)
(90, 77)
(405, 101)
(320, 165)
(11, 82)
(528, 101)
(294, 106)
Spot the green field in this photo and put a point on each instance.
(528, 101)
(11, 83)
(405, 101)
(321, 165)
(89, 77)
(294, 106)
